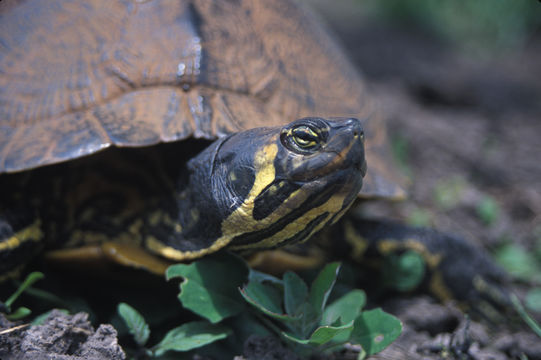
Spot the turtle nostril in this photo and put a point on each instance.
(358, 134)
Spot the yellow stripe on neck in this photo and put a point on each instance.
(232, 226)
(29, 233)
(242, 217)
(333, 205)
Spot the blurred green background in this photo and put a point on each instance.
(479, 27)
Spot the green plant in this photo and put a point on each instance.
(301, 316)
(488, 210)
(520, 262)
(533, 299)
(448, 193)
(401, 149)
(524, 265)
(419, 217)
(297, 313)
(536, 328)
(22, 311)
(209, 286)
(186, 337)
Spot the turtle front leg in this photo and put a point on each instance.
(453, 268)
(21, 238)
(108, 253)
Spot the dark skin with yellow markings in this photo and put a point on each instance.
(454, 269)
(223, 197)
(228, 180)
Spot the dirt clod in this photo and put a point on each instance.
(61, 337)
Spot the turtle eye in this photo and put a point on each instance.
(305, 137)
(302, 139)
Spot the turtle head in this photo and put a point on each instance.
(268, 187)
(282, 185)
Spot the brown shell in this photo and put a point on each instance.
(79, 76)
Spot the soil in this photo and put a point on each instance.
(61, 337)
(461, 119)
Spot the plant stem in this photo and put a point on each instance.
(525, 316)
(30, 279)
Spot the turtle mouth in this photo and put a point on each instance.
(351, 156)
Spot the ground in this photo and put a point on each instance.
(60, 337)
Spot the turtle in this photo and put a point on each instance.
(181, 128)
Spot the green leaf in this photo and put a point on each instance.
(246, 324)
(419, 217)
(295, 293)
(293, 338)
(266, 298)
(261, 277)
(322, 286)
(321, 335)
(449, 193)
(135, 323)
(29, 281)
(362, 355)
(400, 150)
(308, 320)
(533, 300)
(488, 210)
(518, 262)
(324, 334)
(46, 296)
(347, 308)
(191, 336)
(374, 330)
(20, 313)
(210, 286)
(404, 272)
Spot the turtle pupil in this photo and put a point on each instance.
(305, 137)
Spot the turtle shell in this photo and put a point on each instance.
(79, 76)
